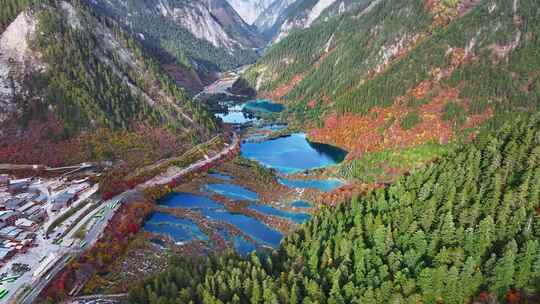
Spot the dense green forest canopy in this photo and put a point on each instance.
(464, 227)
(10, 10)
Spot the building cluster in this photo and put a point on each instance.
(21, 211)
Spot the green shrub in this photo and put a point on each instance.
(410, 120)
(454, 112)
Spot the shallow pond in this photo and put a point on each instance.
(324, 185)
(180, 230)
(242, 246)
(292, 153)
(301, 204)
(263, 105)
(221, 176)
(167, 224)
(188, 200)
(250, 226)
(236, 115)
(233, 192)
(296, 217)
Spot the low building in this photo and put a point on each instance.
(10, 232)
(63, 200)
(14, 203)
(26, 207)
(41, 199)
(25, 238)
(6, 253)
(4, 180)
(9, 217)
(26, 224)
(36, 214)
(17, 187)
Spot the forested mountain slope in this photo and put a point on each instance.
(464, 228)
(395, 74)
(66, 71)
(193, 38)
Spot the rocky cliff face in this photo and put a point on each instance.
(16, 61)
(250, 10)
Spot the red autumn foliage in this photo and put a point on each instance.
(284, 89)
(513, 297)
(120, 230)
(380, 129)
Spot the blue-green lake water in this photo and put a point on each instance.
(180, 230)
(167, 224)
(221, 176)
(292, 153)
(233, 192)
(301, 204)
(324, 185)
(296, 217)
(263, 105)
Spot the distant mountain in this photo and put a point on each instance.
(250, 10)
(193, 39)
(285, 16)
(272, 17)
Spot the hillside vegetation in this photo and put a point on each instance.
(396, 74)
(91, 76)
(466, 227)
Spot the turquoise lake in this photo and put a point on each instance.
(301, 204)
(263, 105)
(183, 230)
(324, 185)
(296, 217)
(180, 230)
(292, 153)
(221, 176)
(233, 192)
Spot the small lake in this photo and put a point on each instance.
(236, 115)
(221, 176)
(264, 106)
(240, 244)
(189, 201)
(292, 153)
(233, 192)
(250, 226)
(180, 230)
(244, 113)
(296, 217)
(301, 204)
(324, 185)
